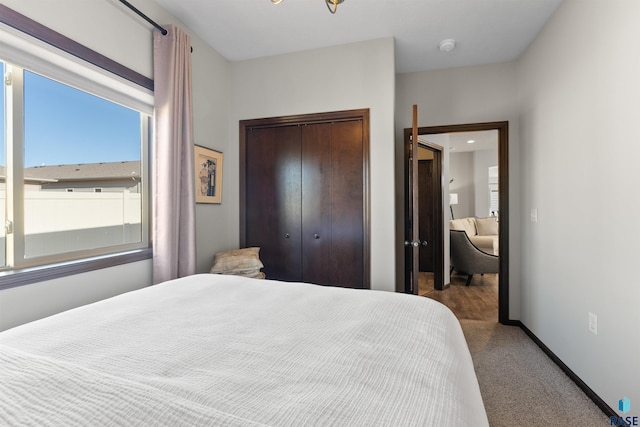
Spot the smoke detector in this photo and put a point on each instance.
(447, 45)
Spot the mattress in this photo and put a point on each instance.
(232, 351)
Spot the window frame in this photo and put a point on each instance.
(33, 270)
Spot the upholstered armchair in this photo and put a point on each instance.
(468, 259)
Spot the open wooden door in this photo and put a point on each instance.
(412, 240)
(423, 215)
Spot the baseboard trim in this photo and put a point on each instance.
(608, 411)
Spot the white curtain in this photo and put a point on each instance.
(174, 248)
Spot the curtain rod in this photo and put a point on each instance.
(145, 17)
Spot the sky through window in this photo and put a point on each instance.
(64, 125)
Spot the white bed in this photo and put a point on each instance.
(225, 350)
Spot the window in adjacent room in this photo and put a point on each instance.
(74, 174)
(494, 195)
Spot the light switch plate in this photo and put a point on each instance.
(593, 323)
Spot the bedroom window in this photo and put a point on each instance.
(74, 166)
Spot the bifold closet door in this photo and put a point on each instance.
(304, 201)
(316, 201)
(273, 199)
(333, 203)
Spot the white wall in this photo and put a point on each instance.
(353, 76)
(484, 93)
(461, 170)
(579, 86)
(470, 173)
(26, 303)
(482, 161)
(112, 30)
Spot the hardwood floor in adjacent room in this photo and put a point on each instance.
(478, 301)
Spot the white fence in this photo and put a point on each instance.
(58, 222)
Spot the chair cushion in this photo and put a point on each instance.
(487, 226)
(485, 243)
(466, 224)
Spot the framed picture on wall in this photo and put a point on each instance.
(208, 166)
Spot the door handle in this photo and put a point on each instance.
(287, 235)
(316, 236)
(415, 243)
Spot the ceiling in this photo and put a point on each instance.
(486, 31)
(458, 142)
(483, 140)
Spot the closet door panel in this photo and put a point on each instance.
(347, 204)
(273, 199)
(316, 199)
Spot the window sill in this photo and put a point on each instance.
(27, 276)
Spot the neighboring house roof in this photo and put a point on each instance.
(82, 172)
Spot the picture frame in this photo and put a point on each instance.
(208, 175)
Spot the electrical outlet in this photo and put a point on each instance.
(593, 323)
(534, 215)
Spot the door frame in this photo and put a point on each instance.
(503, 203)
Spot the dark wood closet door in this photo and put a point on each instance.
(304, 196)
(316, 204)
(273, 199)
(347, 204)
(332, 204)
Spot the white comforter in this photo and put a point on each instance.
(224, 350)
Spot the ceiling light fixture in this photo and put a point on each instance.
(446, 45)
(332, 5)
(471, 141)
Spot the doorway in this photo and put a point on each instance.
(502, 128)
(431, 217)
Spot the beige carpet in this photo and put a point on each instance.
(520, 385)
